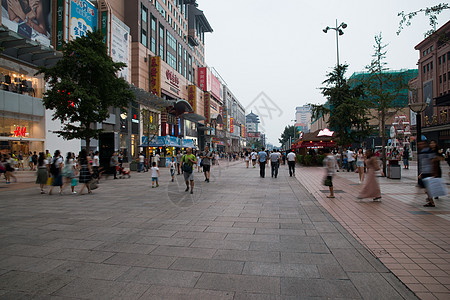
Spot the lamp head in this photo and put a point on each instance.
(341, 32)
(326, 29)
(343, 25)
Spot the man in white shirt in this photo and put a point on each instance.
(253, 155)
(291, 162)
(350, 160)
(275, 159)
(96, 164)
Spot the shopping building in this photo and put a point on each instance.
(433, 85)
(303, 118)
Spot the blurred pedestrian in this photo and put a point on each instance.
(371, 188)
(56, 166)
(68, 172)
(42, 172)
(85, 171)
(275, 160)
(189, 160)
(360, 164)
(155, 174)
(291, 163)
(405, 156)
(426, 156)
(329, 164)
(172, 167)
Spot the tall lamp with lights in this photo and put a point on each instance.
(339, 32)
(418, 108)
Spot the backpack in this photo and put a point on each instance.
(186, 167)
(53, 169)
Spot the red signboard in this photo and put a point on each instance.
(20, 131)
(207, 107)
(253, 134)
(173, 78)
(215, 87)
(231, 125)
(203, 78)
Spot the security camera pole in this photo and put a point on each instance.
(339, 32)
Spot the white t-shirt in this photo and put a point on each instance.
(172, 165)
(95, 161)
(350, 157)
(330, 165)
(275, 156)
(141, 158)
(291, 156)
(155, 171)
(253, 155)
(58, 162)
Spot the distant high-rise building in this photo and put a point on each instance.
(252, 122)
(303, 117)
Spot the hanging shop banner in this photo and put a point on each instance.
(192, 97)
(30, 19)
(231, 125)
(204, 79)
(225, 117)
(83, 18)
(104, 21)
(207, 105)
(155, 75)
(59, 24)
(120, 45)
(216, 87)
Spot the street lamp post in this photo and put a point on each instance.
(339, 32)
(418, 108)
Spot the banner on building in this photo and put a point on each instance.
(225, 117)
(104, 24)
(207, 106)
(120, 45)
(83, 18)
(31, 19)
(192, 97)
(59, 24)
(231, 125)
(155, 75)
(253, 134)
(216, 87)
(204, 79)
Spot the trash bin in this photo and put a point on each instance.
(162, 162)
(133, 166)
(394, 170)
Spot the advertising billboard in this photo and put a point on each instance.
(120, 45)
(192, 97)
(204, 79)
(216, 87)
(155, 75)
(83, 18)
(31, 19)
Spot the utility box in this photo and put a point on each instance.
(394, 170)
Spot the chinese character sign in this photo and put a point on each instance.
(207, 107)
(83, 18)
(192, 97)
(231, 125)
(155, 75)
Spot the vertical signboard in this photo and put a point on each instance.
(155, 75)
(207, 114)
(231, 125)
(120, 45)
(104, 21)
(59, 24)
(428, 99)
(192, 97)
(225, 117)
(83, 18)
(31, 19)
(216, 87)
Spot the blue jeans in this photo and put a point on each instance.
(141, 167)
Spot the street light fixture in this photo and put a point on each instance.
(418, 108)
(339, 32)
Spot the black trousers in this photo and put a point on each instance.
(291, 165)
(262, 169)
(275, 166)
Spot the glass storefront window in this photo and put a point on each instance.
(20, 79)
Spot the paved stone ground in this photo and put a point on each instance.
(237, 237)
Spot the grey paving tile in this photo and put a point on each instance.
(352, 261)
(307, 258)
(80, 255)
(255, 296)
(400, 287)
(230, 230)
(27, 250)
(30, 264)
(291, 232)
(84, 288)
(253, 237)
(239, 255)
(373, 286)
(58, 234)
(141, 260)
(176, 293)
(34, 283)
(319, 288)
(285, 247)
(154, 240)
(184, 252)
(239, 283)
(336, 241)
(208, 265)
(331, 271)
(220, 244)
(152, 276)
(281, 270)
(112, 237)
(200, 235)
(156, 232)
(126, 248)
(73, 244)
(90, 270)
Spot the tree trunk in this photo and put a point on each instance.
(88, 139)
(383, 140)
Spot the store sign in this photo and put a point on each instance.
(104, 21)
(215, 87)
(225, 117)
(204, 81)
(192, 97)
(174, 80)
(253, 134)
(155, 75)
(20, 131)
(59, 24)
(29, 19)
(207, 107)
(83, 18)
(231, 125)
(120, 45)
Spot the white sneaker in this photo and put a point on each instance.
(74, 192)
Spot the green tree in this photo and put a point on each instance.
(346, 108)
(289, 133)
(383, 89)
(83, 85)
(431, 12)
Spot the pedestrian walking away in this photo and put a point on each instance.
(371, 188)
(330, 166)
(275, 160)
(155, 175)
(262, 159)
(172, 168)
(113, 164)
(141, 162)
(85, 171)
(179, 157)
(247, 158)
(188, 162)
(254, 155)
(96, 165)
(426, 157)
(56, 171)
(68, 173)
(405, 156)
(42, 172)
(350, 160)
(206, 157)
(291, 163)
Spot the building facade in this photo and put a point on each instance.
(433, 85)
(303, 118)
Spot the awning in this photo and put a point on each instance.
(193, 117)
(149, 99)
(181, 106)
(443, 100)
(26, 50)
(218, 118)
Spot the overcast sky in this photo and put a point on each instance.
(278, 47)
